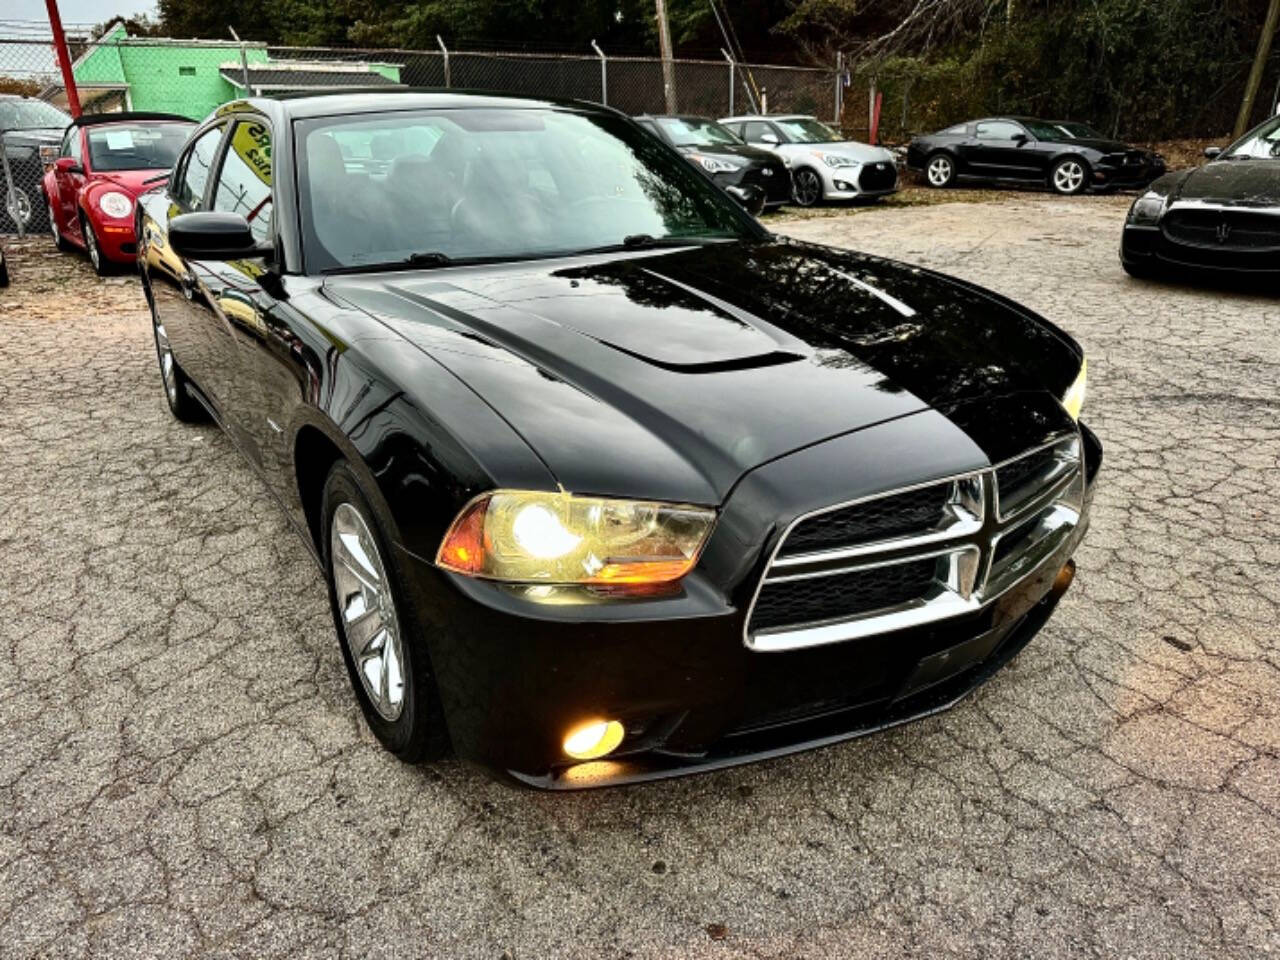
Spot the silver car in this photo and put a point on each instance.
(824, 166)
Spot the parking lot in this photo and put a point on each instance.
(184, 771)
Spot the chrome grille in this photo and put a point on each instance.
(917, 555)
(1222, 228)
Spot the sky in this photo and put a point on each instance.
(77, 11)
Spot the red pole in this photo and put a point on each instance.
(64, 57)
(875, 115)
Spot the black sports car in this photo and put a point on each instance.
(752, 176)
(607, 482)
(1223, 216)
(1066, 156)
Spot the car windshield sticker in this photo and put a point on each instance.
(119, 140)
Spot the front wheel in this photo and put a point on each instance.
(940, 170)
(380, 636)
(807, 187)
(181, 404)
(1069, 176)
(101, 265)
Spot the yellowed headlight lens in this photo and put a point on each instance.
(1073, 399)
(536, 537)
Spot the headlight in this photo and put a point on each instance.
(1073, 399)
(715, 164)
(837, 160)
(115, 204)
(1146, 209)
(532, 537)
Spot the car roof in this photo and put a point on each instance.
(741, 118)
(300, 106)
(674, 116)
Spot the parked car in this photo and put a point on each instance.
(27, 124)
(609, 483)
(748, 174)
(824, 166)
(1221, 217)
(104, 161)
(1066, 156)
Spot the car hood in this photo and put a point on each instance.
(1231, 181)
(743, 150)
(132, 182)
(680, 371)
(862, 152)
(1100, 145)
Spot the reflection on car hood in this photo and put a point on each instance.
(706, 362)
(1233, 181)
(862, 152)
(743, 150)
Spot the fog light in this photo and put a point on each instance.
(592, 740)
(1064, 577)
(841, 185)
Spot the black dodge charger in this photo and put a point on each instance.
(1066, 156)
(1222, 217)
(607, 482)
(753, 177)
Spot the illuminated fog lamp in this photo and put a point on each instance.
(592, 740)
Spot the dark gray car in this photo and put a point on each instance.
(26, 125)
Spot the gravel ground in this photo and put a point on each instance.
(183, 771)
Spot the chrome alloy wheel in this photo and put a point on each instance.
(369, 625)
(165, 354)
(808, 187)
(1068, 176)
(939, 172)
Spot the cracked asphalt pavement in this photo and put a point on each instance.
(184, 771)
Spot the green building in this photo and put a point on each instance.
(194, 77)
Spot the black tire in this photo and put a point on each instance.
(418, 732)
(173, 379)
(806, 187)
(1069, 176)
(939, 170)
(58, 238)
(97, 259)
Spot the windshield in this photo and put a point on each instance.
(808, 130)
(1262, 143)
(1043, 131)
(695, 132)
(121, 146)
(31, 115)
(483, 183)
(1079, 131)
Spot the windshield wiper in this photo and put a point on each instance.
(641, 241)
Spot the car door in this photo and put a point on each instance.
(237, 294)
(998, 149)
(68, 178)
(181, 300)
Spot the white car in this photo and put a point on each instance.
(823, 165)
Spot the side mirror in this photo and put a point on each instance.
(1213, 152)
(769, 138)
(209, 235)
(1021, 139)
(67, 165)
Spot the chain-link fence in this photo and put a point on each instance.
(193, 77)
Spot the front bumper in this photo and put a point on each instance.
(773, 179)
(514, 675)
(866, 180)
(117, 240)
(1147, 248)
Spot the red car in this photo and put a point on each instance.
(105, 161)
